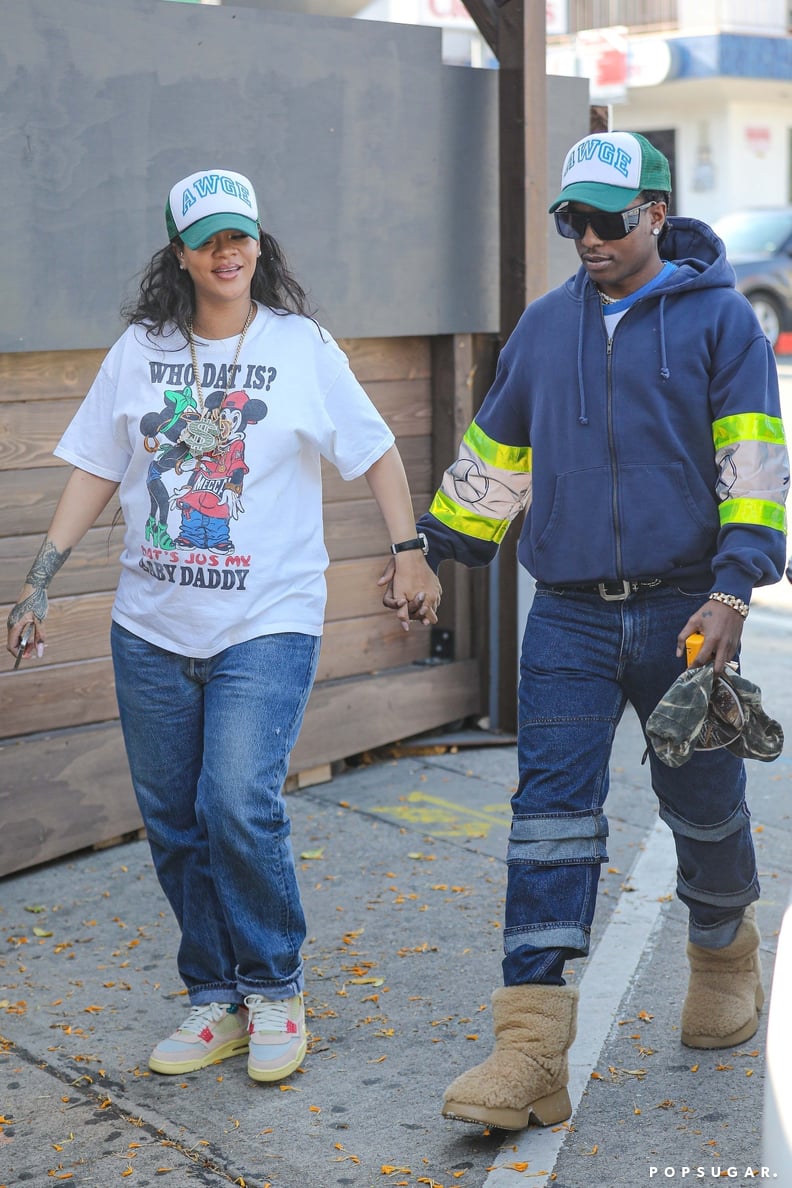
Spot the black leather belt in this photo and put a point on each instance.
(612, 591)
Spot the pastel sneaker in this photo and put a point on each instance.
(277, 1036)
(211, 1032)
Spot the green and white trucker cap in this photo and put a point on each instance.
(209, 201)
(609, 170)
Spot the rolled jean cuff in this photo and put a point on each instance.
(716, 831)
(528, 966)
(214, 992)
(275, 991)
(727, 901)
(718, 933)
(564, 934)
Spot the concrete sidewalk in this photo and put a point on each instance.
(402, 868)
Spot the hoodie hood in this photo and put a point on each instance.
(695, 249)
(700, 262)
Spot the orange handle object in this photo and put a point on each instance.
(692, 646)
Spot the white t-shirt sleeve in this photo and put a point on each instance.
(355, 435)
(95, 439)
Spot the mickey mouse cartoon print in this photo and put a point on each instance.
(212, 497)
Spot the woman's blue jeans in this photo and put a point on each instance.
(583, 659)
(208, 743)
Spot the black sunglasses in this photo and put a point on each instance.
(618, 225)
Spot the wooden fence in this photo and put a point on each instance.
(64, 783)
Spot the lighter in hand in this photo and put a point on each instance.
(24, 640)
(693, 646)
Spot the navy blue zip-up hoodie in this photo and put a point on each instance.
(656, 454)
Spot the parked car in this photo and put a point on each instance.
(759, 248)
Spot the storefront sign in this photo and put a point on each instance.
(757, 137)
(602, 58)
(651, 61)
(556, 17)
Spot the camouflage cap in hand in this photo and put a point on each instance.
(701, 712)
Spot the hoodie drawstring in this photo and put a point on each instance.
(665, 372)
(582, 414)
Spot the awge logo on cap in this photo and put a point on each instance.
(607, 161)
(608, 170)
(209, 201)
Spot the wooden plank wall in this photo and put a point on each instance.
(64, 783)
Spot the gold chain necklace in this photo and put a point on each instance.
(606, 300)
(203, 436)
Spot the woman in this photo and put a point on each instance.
(211, 415)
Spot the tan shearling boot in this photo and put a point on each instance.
(725, 990)
(526, 1075)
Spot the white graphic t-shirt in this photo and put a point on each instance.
(225, 547)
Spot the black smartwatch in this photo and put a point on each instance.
(418, 542)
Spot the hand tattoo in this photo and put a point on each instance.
(36, 602)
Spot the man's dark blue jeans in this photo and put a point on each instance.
(583, 659)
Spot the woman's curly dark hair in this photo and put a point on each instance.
(166, 300)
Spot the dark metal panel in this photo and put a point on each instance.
(375, 164)
(567, 122)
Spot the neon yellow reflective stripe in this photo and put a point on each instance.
(753, 511)
(494, 454)
(747, 427)
(454, 516)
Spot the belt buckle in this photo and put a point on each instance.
(626, 591)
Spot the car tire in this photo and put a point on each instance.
(769, 314)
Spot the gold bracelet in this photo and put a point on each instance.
(733, 601)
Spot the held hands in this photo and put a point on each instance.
(411, 589)
(722, 629)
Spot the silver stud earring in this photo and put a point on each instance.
(655, 230)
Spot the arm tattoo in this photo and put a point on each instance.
(48, 562)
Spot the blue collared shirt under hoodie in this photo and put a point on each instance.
(657, 453)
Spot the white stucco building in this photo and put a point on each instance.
(709, 81)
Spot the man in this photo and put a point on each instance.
(635, 419)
